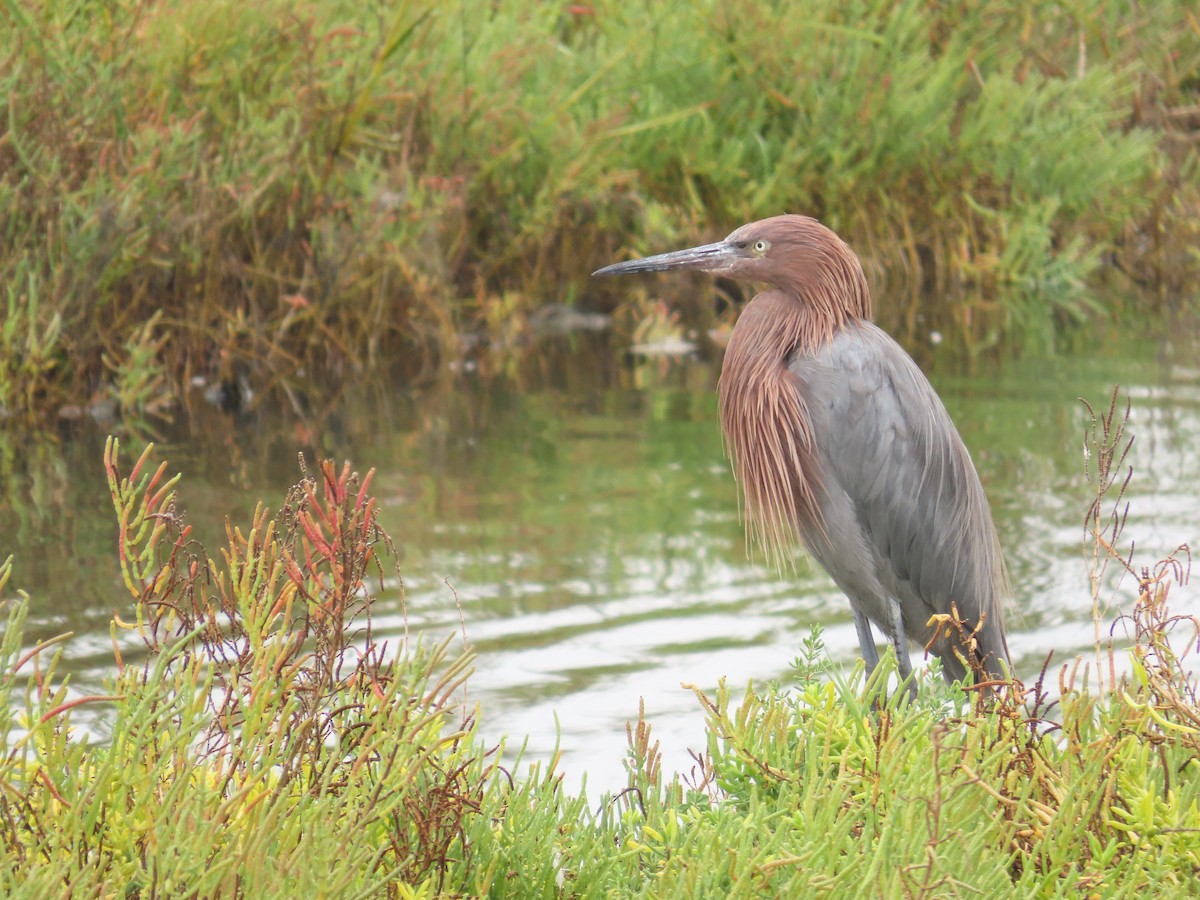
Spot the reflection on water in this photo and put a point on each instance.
(586, 537)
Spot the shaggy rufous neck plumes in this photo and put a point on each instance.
(818, 287)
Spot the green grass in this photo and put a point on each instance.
(265, 745)
(325, 187)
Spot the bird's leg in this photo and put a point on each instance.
(866, 640)
(900, 644)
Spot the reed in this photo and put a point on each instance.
(324, 187)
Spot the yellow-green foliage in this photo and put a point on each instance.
(302, 183)
(264, 746)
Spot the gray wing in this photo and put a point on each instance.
(905, 515)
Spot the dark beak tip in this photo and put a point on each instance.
(705, 258)
(621, 268)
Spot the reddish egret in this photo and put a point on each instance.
(838, 439)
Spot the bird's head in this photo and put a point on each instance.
(794, 254)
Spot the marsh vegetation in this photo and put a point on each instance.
(279, 191)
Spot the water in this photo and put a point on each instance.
(586, 520)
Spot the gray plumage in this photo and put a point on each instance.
(838, 439)
(904, 514)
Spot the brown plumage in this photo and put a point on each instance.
(767, 426)
(838, 439)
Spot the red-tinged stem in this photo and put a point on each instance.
(39, 648)
(45, 779)
(280, 603)
(335, 486)
(294, 573)
(314, 505)
(362, 491)
(117, 653)
(137, 466)
(156, 501)
(316, 536)
(156, 477)
(110, 468)
(71, 704)
(368, 518)
(314, 571)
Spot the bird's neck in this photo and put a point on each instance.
(818, 299)
(765, 420)
(777, 324)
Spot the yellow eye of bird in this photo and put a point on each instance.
(760, 247)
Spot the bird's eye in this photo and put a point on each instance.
(761, 247)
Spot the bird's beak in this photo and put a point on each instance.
(706, 258)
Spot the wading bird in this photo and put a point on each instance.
(837, 438)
